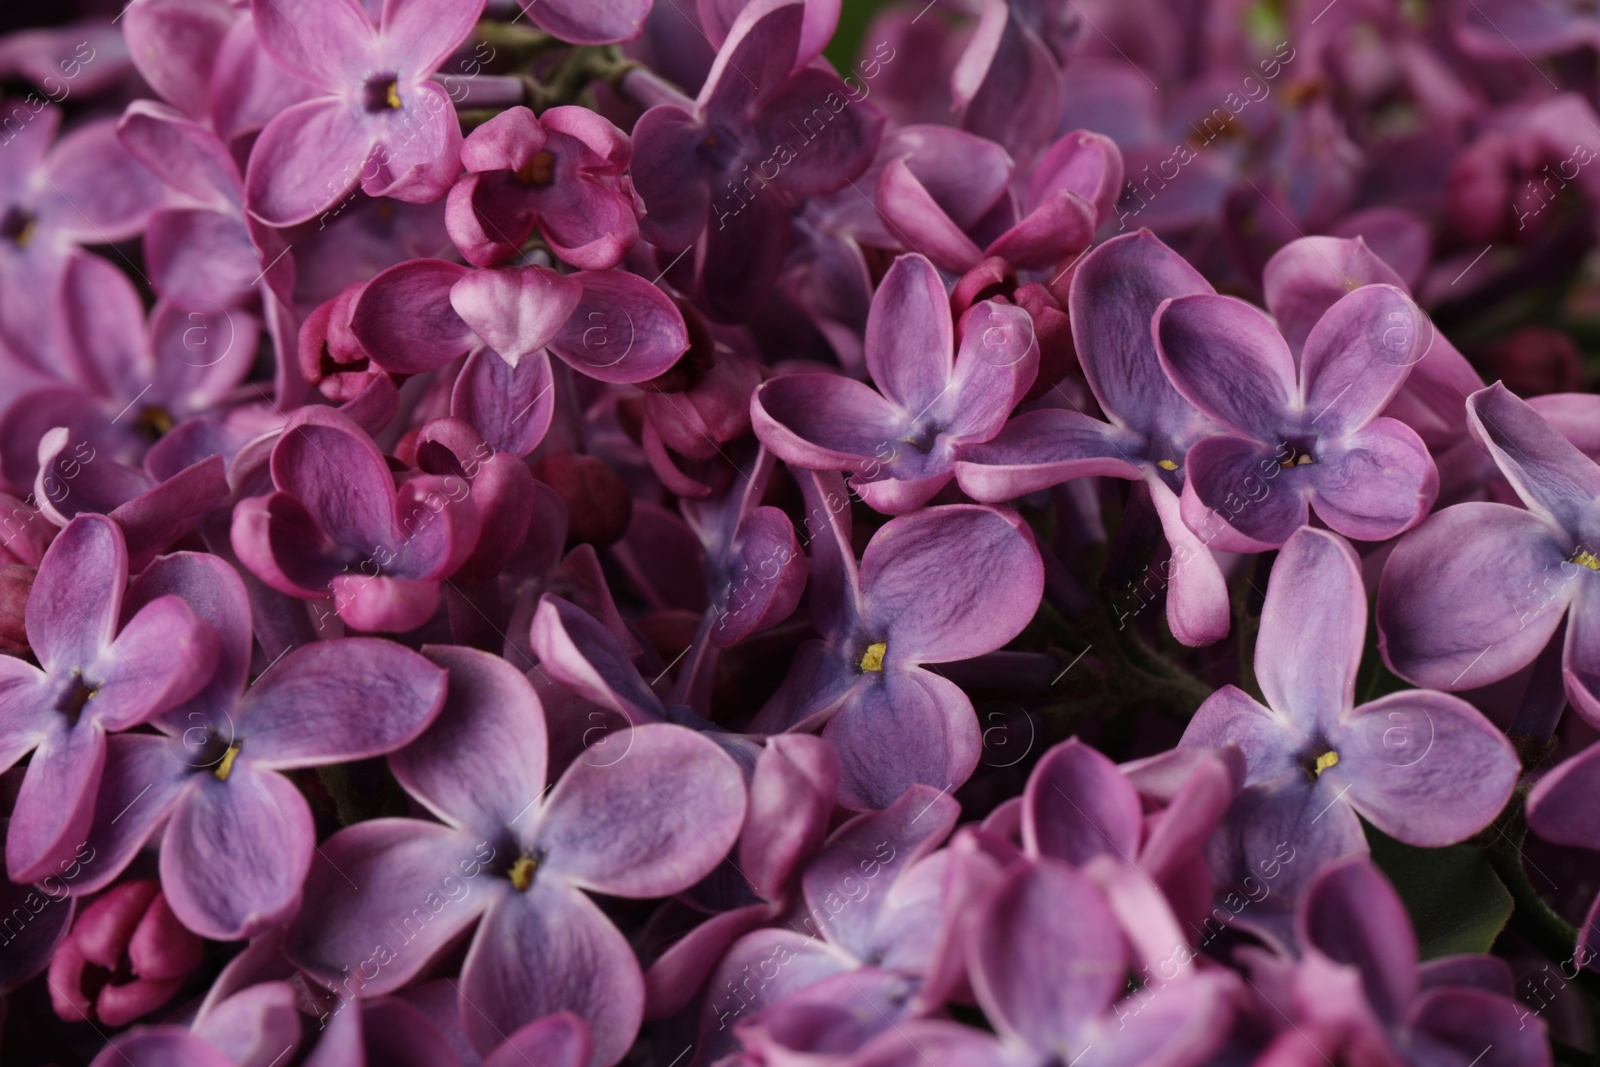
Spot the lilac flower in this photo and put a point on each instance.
(255, 1027)
(646, 824)
(902, 442)
(1357, 993)
(1477, 591)
(1299, 435)
(336, 525)
(239, 835)
(939, 585)
(96, 674)
(392, 1032)
(83, 189)
(1114, 294)
(1422, 766)
(561, 172)
(767, 129)
(383, 123)
(141, 957)
(589, 21)
(868, 921)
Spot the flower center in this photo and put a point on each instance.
(1585, 558)
(383, 93)
(538, 170)
(922, 439)
(18, 226)
(154, 422)
(1295, 456)
(75, 698)
(872, 658)
(1315, 767)
(225, 768)
(522, 871)
(1167, 464)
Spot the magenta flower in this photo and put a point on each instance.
(239, 835)
(1299, 435)
(128, 952)
(337, 525)
(515, 862)
(1422, 766)
(1476, 592)
(768, 129)
(560, 172)
(96, 674)
(901, 442)
(939, 585)
(383, 124)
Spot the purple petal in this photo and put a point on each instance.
(390, 895)
(1424, 767)
(585, 657)
(826, 421)
(482, 761)
(1359, 354)
(306, 160)
(98, 192)
(337, 701)
(162, 1044)
(590, 21)
(144, 778)
(1580, 660)
(1460, 1024)
(1229, 360)
(1077, 805)
(915, 218)
(162, 657)
(254, 1026)
(510, 406)
(666, 163)
(236, 852)
(760, 53)
(517, 310)
(1046, 956)
(406, 318)
(650, 823)
(1240, 498)
(791, 797)
(83, 571)
(1353, 916)
(1272, 743)
(995, 367)
(1114, 294)
(1197, 593)
(1313, 626)
(549, 950)
(422, 33)
(910, 341)
(336, 472)
(1472, 595)
(922, 573)
(765, 538)
(829, 157)
(623, 330)
(1376, 482)
(1562, 808)
(55, 805)
(1039, 449)
(912, 728)
(1308, 276)
(317, 41)
(1547, 471)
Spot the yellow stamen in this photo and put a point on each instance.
(225, 768)
(1166, 464)
(25, 235)
(538, 170)
(391, 95)
(522, 873)
(872, 658)
(1326, 760)
(1585, 558)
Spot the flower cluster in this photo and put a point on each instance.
(783, 533)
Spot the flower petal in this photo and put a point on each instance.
(1376, 483)
(1313, 627)
(516, 310)
(1229, 360)
(910, 341)
(82, 576)
(306, 159)
(1077, 806)
(1547, 471)
(1358, 355)
(913, 728)
(406, 318)
(623, 329)
(55, 805)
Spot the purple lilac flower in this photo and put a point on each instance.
(1422, 766)
(768, 128)
(561, 172)
(128, 951)
(646, 823)
(1514, 573)
(901, 442)
(248, 1029)
(939, 585)
(383, 124)
(97, 673)
(239, 835)
(1299, 435)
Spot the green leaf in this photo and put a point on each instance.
(1456, 901)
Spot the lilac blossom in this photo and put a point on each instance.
(98, 672)
(128, 928)
(768, 128)
(1422, 766)
(239, 835)
(900, 443)
(942, 584)
(383, 124)
(646, 823)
